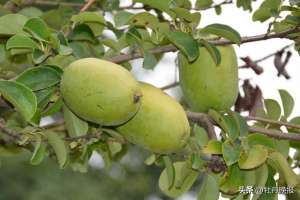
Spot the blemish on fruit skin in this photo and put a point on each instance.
(136, 98)
(99, 106)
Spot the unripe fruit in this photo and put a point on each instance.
(100, 91)
(208, 86)
(160, 125)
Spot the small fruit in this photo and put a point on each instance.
(208, 86)
(160, 125)
(100, 91)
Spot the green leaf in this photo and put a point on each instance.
(122, 17)
(185, 43)
(200, 135)
(209, 188)
(144, 19)
(267, 9)
(170, 171)
(213, 51)
(39, 56)
(203, 4)
(184, 179)
(273, 109)
(254, 157)
(150, 60)
(39, 78)
(287, 102)
(245, 4)
(163, 6)
(150, 160)
(230, 152)
(213, 147)
(20, 41)
(224, 31)
(12, 24)
(20, 96)
(75, 126)
(39, 152)
(93, 20)
(59, 147)
(38, 29)
(31, 12)
(53, 108)
(43, 96)
(259, 139)
(261, 174)
(281, 165)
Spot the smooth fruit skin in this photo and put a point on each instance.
(100, 91)
(208, 86)
(160, 125)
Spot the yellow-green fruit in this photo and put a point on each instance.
(100, 91)
(160, 125)
(208, 86)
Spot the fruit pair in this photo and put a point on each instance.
(107, 94)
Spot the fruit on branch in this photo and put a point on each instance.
(160, 125)
(280, 164)
(206, 85)
(100, 91)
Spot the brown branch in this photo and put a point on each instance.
(200, 117)
(171, 48)
(204, 121)
(170, 86)
(270, 121)
(275, 134)
(87, 5)
(12, 134)
(57, 3)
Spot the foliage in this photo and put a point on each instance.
(37, 43)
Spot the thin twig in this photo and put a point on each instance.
(270, 121)
(171, 48)
(88, 4)
(57, 3)
(271, 133)
(170, 86)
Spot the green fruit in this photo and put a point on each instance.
(100, 91)
(208, 86)
(160, 125)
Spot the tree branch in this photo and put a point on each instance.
(200, 117)
(260, 119)
(171, 48)
(87, 5)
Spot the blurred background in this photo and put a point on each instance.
(130, 179)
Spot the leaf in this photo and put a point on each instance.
(267, 9)
(184, 179)
(185, 43)
(230, 152)
(43, 97)
(20, 41)
(54, 108)
(163, 6)
(281, 165)
(259, 139)
(224, 31)
(12, 24)
(261, 176)
(170, 171)
(75, 126)
(213, 147)
(59, 147)
(254, 157)
(39, 56)
(200, 135)
(150, 60)
(31, 12)
(93, 20)
(150, 160)
(38, 29)
(203, 4)
(20, 96)
(144, 19)
(39, 78)
(122, 17)
(287, 102)
(209, 188)
(213, 51)
(39, 152)
(273, 109)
